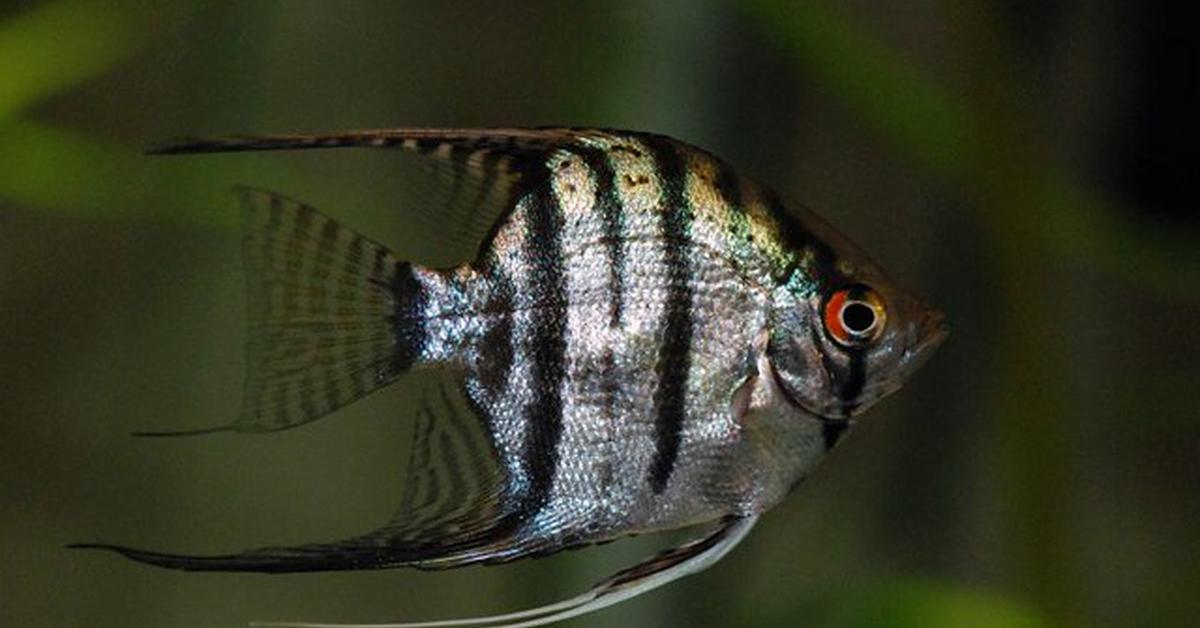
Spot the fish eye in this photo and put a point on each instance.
(855, 316)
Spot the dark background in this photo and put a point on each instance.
(1029, 167)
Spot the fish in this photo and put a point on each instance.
(640, 339)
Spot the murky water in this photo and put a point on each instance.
(1042, 468)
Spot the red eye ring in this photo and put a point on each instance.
(855, 316)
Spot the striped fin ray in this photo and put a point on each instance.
(454, 486)
(454, 509)
(478, 171)
(668, 566)
(332, 315)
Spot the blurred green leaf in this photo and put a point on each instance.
(60, 170)
(60, 44)
(48, 167)
(874, 80)
(927, 605)
(963, 141)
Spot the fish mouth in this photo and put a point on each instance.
(929, 334)
(925, 337)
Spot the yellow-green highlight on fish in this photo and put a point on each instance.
(644, 340)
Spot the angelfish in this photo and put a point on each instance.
(644, 340)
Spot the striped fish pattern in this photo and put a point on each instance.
(644, 340)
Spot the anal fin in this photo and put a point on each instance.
(664, 568)
(456, 508)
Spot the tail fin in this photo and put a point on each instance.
(332, 315)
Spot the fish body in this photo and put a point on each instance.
(644, 340)
(613, 318)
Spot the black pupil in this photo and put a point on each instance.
(858, 317)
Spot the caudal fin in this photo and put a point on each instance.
(332, 315)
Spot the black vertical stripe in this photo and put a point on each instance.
(729, 186)
(824, 266)
(547, 345)
(848, 380)
(851, 385)
(354, 252)
(842, 380)
(330, 232)
(418, 461)
(408, 321)
(426, 145)
(379, 265)
(496, 345)
(608, 204)
(674, 355)
(303, 220)
(274, 213)
(832, 431)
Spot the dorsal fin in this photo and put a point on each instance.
(515, 141)
(482, 168)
